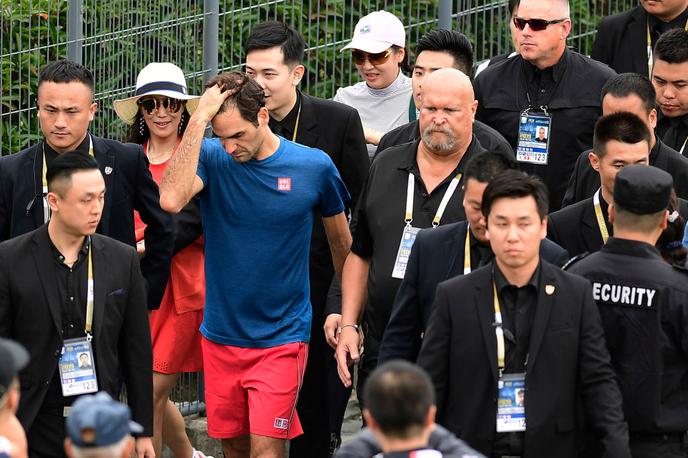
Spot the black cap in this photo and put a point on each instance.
(13, 358)
(642, 189)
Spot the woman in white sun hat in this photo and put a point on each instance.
(383, 99)
(157, 115)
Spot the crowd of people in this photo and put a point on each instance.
(496, 258)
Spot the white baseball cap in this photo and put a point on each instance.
(157, 78)
(376, 32)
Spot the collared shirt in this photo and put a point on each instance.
(658, 27)
(481, 253)
(72, 288)
(518, 306)
(51, 154)
(674, 132)
(502, 92)
(378, 223)
(285, 127)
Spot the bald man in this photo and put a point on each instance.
(545, 86)
(403, 194)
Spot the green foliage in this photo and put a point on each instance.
(121, 36)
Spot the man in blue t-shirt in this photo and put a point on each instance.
(258, 194)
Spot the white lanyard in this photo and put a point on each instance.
(89, 294)
(684, 145)
(498, 330)
(467, 252)
(408, 219)
(44, 181)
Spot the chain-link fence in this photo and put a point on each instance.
(116, 38)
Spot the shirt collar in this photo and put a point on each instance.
(289, 121)
(391, 89)
(555, 72)
(409, 163)
(82, 148)
(501, 282)
(658, 26)
(631, 247)
(83, 252)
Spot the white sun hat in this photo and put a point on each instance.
(376, 32)
(157, 78)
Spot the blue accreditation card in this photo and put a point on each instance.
(408, 238)
(533, 138)
(77, 368)
(511, 413)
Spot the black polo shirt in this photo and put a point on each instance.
(658, 27)
(571, 90)
(51, 154)
(285, 127)
(674, 132)
(489, 138)
(378, 224)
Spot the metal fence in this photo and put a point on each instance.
(116, 38)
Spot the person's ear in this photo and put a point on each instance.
(594, 161)
(297, 74)
(53, 198)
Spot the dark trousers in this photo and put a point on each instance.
(47, 434)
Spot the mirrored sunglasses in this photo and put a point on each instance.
(375, 59)
(152, 104)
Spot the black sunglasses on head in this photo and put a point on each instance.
(152, 104)
(536, 25)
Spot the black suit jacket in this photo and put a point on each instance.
(336, 129)
(575, 228)
(129, 186)
(584, 180)
(437, 255)
(568, 360)
(621, 42)
(30, 313)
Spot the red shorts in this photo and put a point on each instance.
(253, 390)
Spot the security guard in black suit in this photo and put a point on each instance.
(621, 139)
(644, 308)
(625, 41)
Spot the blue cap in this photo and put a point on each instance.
(98, 421)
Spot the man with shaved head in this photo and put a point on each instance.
(545, 85)
(410, 186)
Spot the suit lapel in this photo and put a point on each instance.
(308, 123)
(590, 231)
(484, 302)
(106, 164)
(637, 46)
(455, 249)
(547, 293)
(45, 269)
(33, 166)
(100, 283)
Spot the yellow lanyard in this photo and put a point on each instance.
(44, 181)
(600, 217)
(498, 330)
(467, 252)
(296, 125)
(650, 58)
(408, 217)
(89, 295)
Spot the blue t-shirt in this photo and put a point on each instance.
(257, 217)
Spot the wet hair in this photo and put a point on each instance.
(67, 164)
(250, 98)
(670, 242)
(451, 42)
(398, 396)
(270, 34)
(626, 84)
(672, 46)
(623, 127)
(486, 166)
(515, 184)
(66, 71)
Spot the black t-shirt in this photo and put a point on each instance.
(378, 224)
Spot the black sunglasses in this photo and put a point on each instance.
(375, 59)
(536, 25)
(170, 104)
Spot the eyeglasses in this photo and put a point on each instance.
(536, 25)
(152, 104)
(375, 59)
